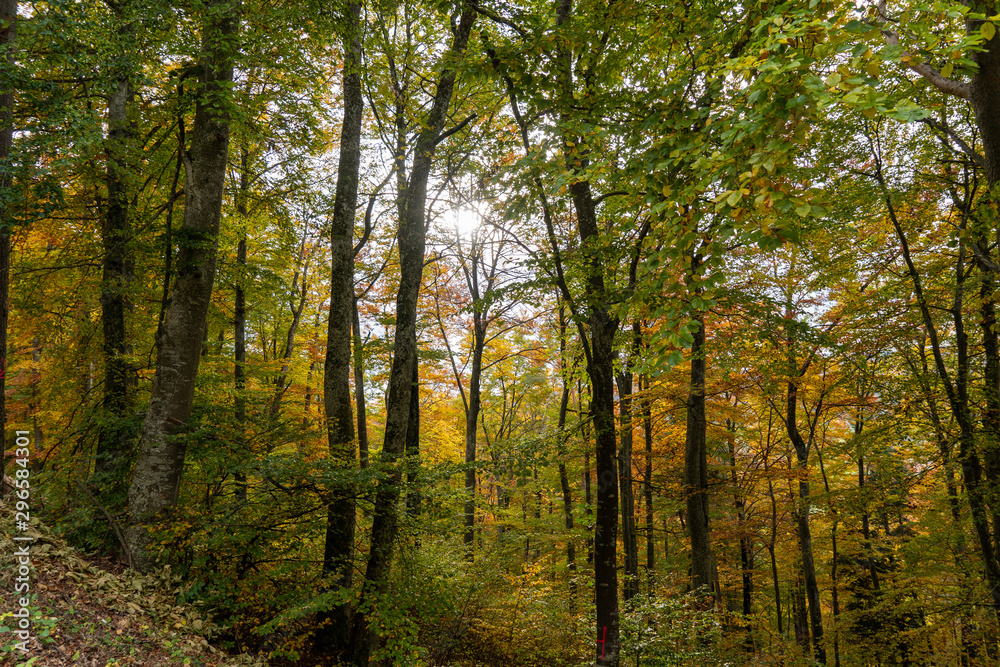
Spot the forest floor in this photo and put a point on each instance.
(88, 611)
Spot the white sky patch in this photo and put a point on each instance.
(464, 219)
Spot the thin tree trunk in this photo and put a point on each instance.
(8, 31)
(801, 614)
(302, 271)
(413, 500)
(774, 525)
(647, 430)
(472, 411)
(411, 239)
(835, 593)
(240, 328)
(746, 545)
(958, 392)
(359, 388)
(802, 521)
(114, 442)
(157, 475)
(338, 552)
(587, 493)
(563, 476)
(630, 587)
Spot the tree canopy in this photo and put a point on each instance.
(481, 333)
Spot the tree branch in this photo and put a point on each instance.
(931, 74)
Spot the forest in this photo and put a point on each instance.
(503, 332)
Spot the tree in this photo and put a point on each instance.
(338, 554)
(115, 441)
(157, 475)
(411, 239)
(8, 32)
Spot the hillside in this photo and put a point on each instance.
(92, 611)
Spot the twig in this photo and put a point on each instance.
(111, 520)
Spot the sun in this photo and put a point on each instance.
(465, 220)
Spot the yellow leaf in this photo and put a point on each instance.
(988, 30)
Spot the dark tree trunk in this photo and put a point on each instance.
(563, 476)
(114, 441)
(696, 460)
(600, 369)
(338, 553)
(588, 502)
(865, 522)
(588, 498)
(8, 30)
(413, 501)
(801, 614)
(746, 542)
(985, 99)
(359, 388)
(802, 521)
(411, 239)
(958, 391)
(774, 531)
(157, 475)
(479, 313)
(240, 329)
(630, 587)
(835, 593)
(647, 430)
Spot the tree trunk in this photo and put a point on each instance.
(630, 587)
(338, 553)
(563, 476)
(746, 544)
(8, 31)
(696, 460)
(472, 413)
(801, 614)
(647, 430)
(157, 476)
(802, 521)
(600, 369)
(240, 329)
(958, 392)
(774, 538)
(410, 238)
(114, 441)
(413, 449)
(359, 388)
(588, 497)
(302, 271)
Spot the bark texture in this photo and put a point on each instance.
(157, 476)
(338, 552)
